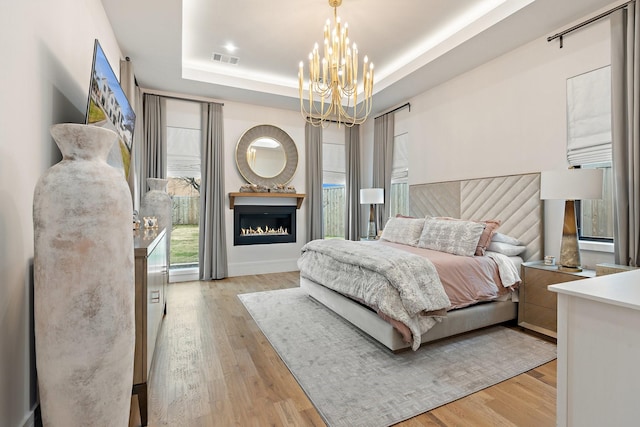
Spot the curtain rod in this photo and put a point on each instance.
(561, 34)
(180, 97)
(401, 107)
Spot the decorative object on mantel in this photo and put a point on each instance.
(334, 80)
(156, 203)
(275, 188)
(254, 188)
(280, 188)
(84, 289)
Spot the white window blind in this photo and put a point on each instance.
(400, 164)
(589, 117)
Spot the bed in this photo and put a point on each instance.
(512, 200)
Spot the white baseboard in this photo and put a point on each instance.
(183, 275)
(264, 267)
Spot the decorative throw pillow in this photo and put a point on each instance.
(491, 226)
(506, 248)
(490, 229)
(454, 237)
(499, 237)
(403, 230)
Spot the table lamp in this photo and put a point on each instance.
(570, 185)
(372, 196)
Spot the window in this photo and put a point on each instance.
(399, 195)
(183, 174)
(589, 146)
(595, 217)
(334, 182)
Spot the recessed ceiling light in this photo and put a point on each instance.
(230, 47)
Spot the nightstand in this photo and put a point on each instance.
(537, 309)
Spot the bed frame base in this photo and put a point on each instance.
(456, 322)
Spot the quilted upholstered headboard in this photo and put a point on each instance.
(514, 199)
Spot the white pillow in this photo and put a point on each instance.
(506, 248)
(403, 230)
(454, 237)
(499, 237)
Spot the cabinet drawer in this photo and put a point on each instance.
(542, 317)
(540, 296)
(537, 309)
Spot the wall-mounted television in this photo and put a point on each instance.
(108, 106)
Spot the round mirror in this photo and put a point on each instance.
(266, 155)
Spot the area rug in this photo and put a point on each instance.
(353, 380)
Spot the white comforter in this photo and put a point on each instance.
(403, 286)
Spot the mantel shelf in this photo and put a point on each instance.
(299, 197)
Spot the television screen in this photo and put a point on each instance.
(108, 106)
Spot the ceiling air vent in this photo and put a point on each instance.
(225, 59)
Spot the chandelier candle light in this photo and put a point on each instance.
(333, 82)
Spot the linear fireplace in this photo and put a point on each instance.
(260, 224)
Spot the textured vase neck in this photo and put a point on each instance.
(77, 141)
(157, 184)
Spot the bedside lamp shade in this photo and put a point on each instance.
(570, 185)
(369, 196)
(372, 196)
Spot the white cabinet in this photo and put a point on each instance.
(599, 351)
(151, 284)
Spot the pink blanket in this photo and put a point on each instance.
(466, 280)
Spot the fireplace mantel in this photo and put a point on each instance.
(299, 197)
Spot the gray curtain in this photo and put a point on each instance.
(383, 164)
(154, 152)
(625, 79)
(213, 241)
(352, 160)
(313, 143)
(137, 156)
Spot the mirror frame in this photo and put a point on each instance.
(290, 152)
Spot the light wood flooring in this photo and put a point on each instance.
(214, 367)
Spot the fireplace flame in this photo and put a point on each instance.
(266, 231)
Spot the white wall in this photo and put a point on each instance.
(47, 49)
(507, 116)
(257, 259)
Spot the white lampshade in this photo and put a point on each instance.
(371, 196)
(571, 184)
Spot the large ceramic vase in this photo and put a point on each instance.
(84, 284)
(157, 202)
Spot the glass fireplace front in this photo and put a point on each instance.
(258, 224)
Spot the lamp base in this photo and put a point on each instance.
(570, 269)
(569, 249)
(371, 230)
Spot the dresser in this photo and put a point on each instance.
(537, 309)
(598, 351)
(151, 278)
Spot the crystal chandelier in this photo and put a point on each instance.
(333, 81)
